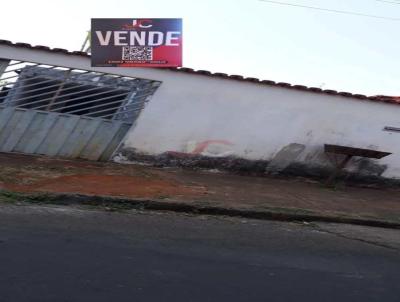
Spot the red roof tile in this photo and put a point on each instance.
(378, 98)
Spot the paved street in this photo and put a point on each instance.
(71, 254)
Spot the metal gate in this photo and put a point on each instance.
(65, 112)
(55, 134)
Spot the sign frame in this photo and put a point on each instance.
(136, 42)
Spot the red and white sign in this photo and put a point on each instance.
(136, 42)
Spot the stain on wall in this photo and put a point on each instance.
(285, 157)
(258, 167)
(213, 147)
(369, 166)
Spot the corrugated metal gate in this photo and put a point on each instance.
(56, 134)
(69, 113)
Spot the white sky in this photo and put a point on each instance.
(247, 37)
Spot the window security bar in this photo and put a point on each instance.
(74, 91)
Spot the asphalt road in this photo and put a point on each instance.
(69, 254)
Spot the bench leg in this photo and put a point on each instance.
(338, 170)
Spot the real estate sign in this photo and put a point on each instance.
(136, 42)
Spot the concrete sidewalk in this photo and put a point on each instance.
(199, 189)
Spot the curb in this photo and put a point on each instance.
(180, 207)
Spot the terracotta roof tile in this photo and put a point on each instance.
(343, 93)
(205, 72)
(184, 69)
(283, 84)
(379, 98)
(42, 47)
(221, 75)
(329, 91)
(236, 77)
(255, 80)
(60, 50)
(81, 53)
(300, 87)
(360, 96)
(315, 89)
(268, 82)
(24, 45)
(385, 98)
(6, 42)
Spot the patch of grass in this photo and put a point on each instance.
(54, 199)
(289, 210)
(40, 198)
(13, 197)
(10, 197)
(120, 205)
(8, 174)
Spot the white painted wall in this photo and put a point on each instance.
(258, 120)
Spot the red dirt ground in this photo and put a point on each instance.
(42, 174)
(115, 185)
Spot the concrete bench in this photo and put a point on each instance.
(349, 153)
